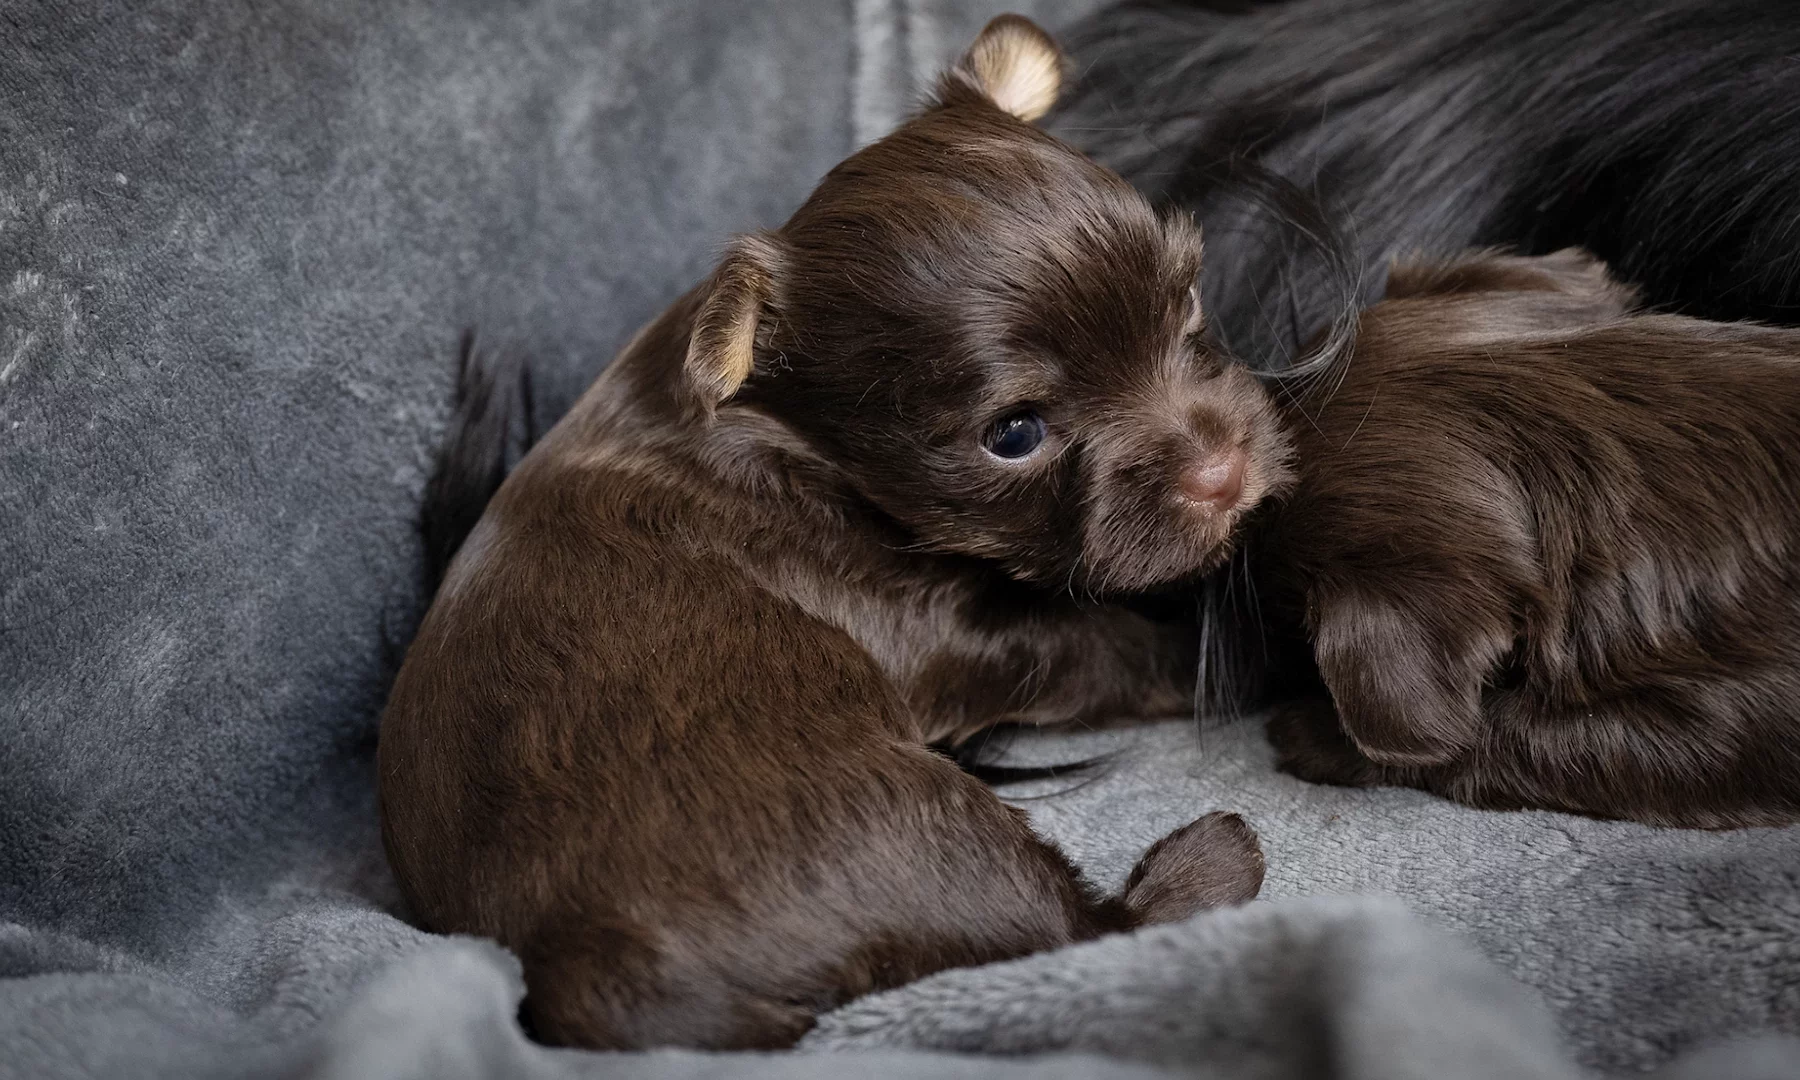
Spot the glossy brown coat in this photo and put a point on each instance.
(1544, 548)
(664, 730)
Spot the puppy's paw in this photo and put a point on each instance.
(1214, 861)
(1311, 745)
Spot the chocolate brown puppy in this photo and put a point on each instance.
(664, 729)
(1546, 551)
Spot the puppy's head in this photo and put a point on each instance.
(1000, 342)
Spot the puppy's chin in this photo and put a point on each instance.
(1125, 547)
(1124, 552)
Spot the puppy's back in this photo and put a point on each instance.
(1590, 431)
(699, 814)
(1547, 548)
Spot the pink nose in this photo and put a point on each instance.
(1216, 481)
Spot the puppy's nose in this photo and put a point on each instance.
(1217, 480)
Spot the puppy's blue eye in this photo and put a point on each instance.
(1015, 435)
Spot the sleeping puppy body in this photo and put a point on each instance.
(1543, 548)
(664, 730)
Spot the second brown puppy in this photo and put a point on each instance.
(1545, 549)
(664, 730)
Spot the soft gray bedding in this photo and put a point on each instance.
(237, 245)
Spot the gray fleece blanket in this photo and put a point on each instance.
(237, 245)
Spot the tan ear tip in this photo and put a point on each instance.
(721, 352)
(1018, 64)
(714, 367)
(722, 345)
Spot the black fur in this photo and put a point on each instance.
(1659, 134)
(491, 426)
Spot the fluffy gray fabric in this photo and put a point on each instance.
(1642, 941)
(237, 243)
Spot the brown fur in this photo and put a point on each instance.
(664, 729)
(1544, 547)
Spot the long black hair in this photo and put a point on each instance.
(1663, 135)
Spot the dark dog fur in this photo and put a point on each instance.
(1658, 134)
(1546, 550)
(492, 425)
(663, 730)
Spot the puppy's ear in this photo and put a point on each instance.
(1014, 64)
(722, 350)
